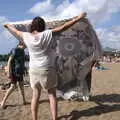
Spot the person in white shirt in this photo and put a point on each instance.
(41, 66)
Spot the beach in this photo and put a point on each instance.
(104, 103)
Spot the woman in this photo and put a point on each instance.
(42, 68)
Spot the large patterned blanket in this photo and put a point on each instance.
(77, 48)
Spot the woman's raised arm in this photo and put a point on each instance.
(69, 23)
(14, 30)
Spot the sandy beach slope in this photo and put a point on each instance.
(104, 104)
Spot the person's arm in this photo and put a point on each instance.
(9, 65)
(14, 30)
(68, 24)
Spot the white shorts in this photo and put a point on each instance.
(45, 78)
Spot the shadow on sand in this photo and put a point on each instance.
(101, 108)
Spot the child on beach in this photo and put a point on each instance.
(15, 71)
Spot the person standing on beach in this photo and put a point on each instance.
(15, 71)
(42, 60)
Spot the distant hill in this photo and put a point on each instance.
(109, 49)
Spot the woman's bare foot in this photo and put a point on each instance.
(2, 105)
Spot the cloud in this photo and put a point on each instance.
(114, 6)
(7, 41)
(110, 37)
(3, 20)
(66, 9)
(49, 10)
(98, 11)
(42, 8)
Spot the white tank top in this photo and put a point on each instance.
(39, 47)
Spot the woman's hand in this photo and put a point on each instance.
(82, 15)
(6, 25)
(14, 31)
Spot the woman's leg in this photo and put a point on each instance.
(21, 87)
(53, 102)
(35, 100)
(9, 91)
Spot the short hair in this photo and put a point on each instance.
(20, 43)
(38, 24)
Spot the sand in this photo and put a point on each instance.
(104, 104)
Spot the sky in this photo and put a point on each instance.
(104, 15)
